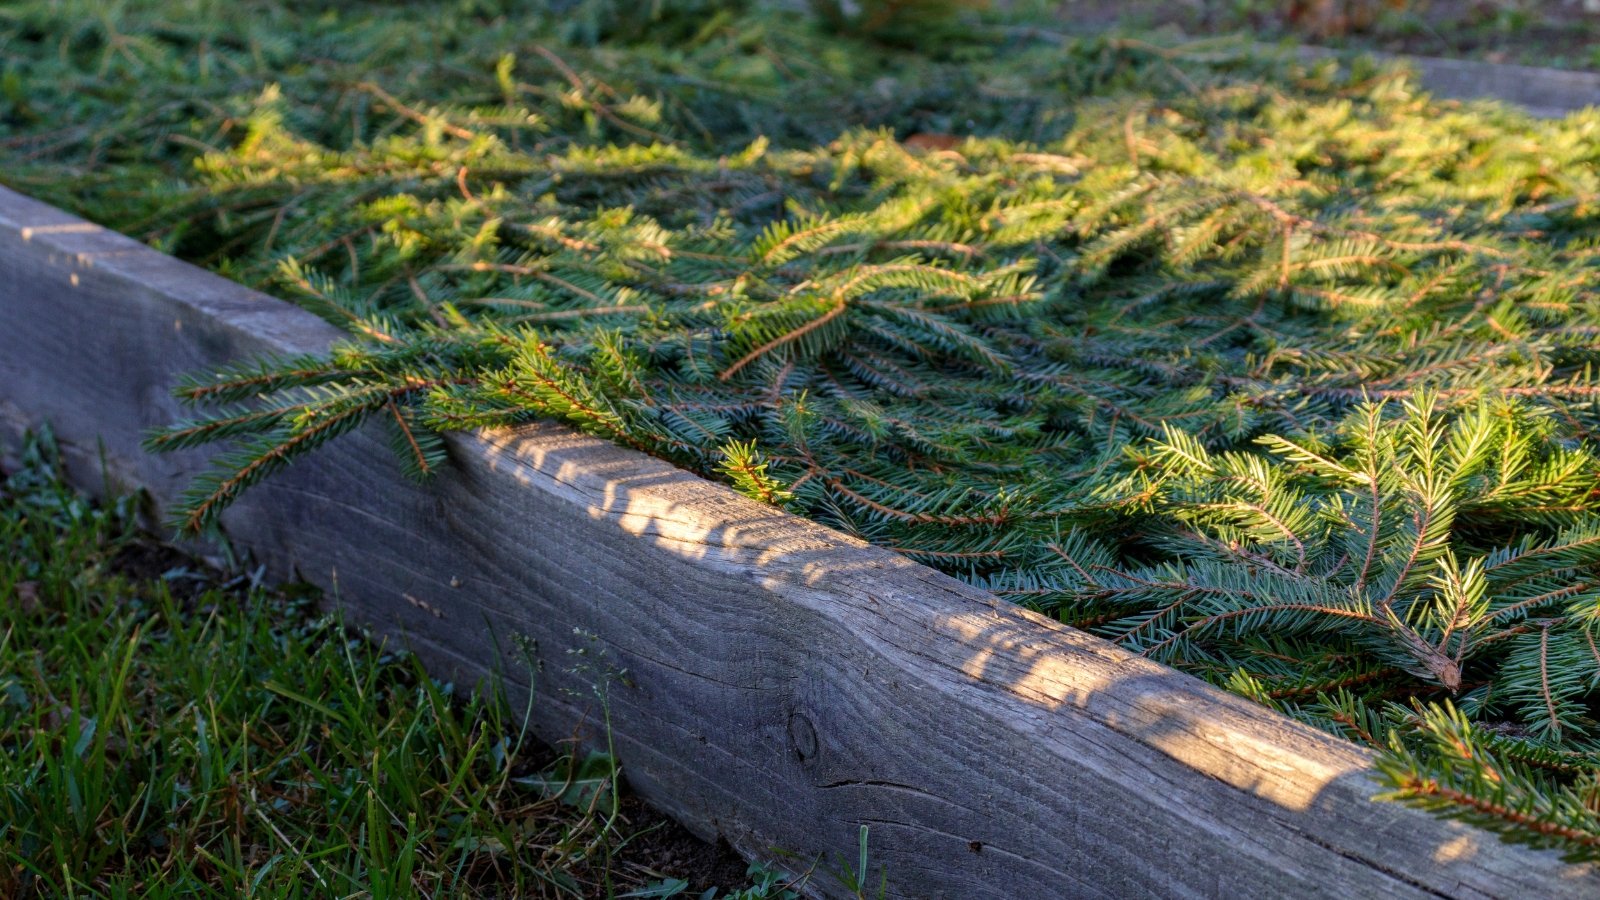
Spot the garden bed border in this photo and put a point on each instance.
(765, 680)
(1544, 92)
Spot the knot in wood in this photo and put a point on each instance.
(803, 736)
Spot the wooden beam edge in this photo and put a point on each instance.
(1544, 92)
(1289, 804)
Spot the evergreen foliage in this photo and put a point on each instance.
(1309, 354)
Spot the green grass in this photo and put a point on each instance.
(166, 732)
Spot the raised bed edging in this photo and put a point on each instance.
(783, 683)
(1547, 93)
(1542, 91)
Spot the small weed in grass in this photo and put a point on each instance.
(167, 731)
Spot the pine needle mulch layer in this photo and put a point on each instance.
(1283, 376)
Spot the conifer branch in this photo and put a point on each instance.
(1430, 787)
(838, 309)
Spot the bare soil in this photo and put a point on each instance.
(669, 850)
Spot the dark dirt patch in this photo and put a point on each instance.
(666, 849)
(142, 559)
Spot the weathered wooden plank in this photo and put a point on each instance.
(781, 683)
(1548, 93)
(1544, 92)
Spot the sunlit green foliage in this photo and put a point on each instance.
(1309, 354)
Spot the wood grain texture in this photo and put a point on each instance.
(772, 682)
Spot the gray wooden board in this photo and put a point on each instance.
(1544, 92)
(1549, 93)
(771, 682)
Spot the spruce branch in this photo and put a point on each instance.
(1258, 369)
